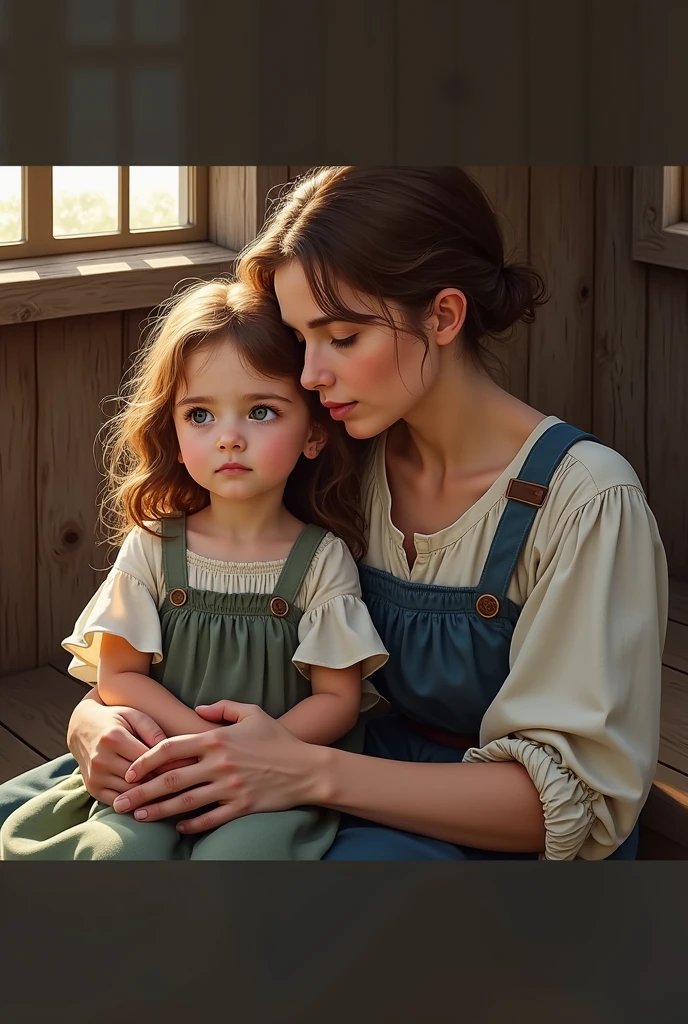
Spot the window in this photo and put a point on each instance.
(660, 216)
(53, 210)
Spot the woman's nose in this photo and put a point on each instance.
(315, 373)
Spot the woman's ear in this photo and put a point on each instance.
(449, 314)
(180, 458)
(316, 441)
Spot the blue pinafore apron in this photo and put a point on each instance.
(449, 656)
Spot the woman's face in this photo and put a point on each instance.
(369, 382)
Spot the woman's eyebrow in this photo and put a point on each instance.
(318, 321)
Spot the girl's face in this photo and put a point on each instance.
(369, 382)
(240, 434)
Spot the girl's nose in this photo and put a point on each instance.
(231, 440)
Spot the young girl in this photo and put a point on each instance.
(219, 589)
(514, 570)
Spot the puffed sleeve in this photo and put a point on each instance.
(125, 604)
(580, 706)
(336, 630)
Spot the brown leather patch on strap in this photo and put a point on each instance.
(529, 494)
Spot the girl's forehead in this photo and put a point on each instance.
(223, 373)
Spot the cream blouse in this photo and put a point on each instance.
(580, 706)
(335, 629)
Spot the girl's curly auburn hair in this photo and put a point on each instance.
(144, 480)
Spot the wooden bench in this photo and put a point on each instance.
(664, 820)
(35, 707)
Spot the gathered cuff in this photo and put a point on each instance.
(566, 800)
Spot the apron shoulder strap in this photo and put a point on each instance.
(526, 493)
(297, 565)
(174, 552)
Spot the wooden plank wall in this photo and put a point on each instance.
(58, 375)
(609, 352)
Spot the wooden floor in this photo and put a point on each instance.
(35, 707)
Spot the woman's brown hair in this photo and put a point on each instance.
(398, 234)
(144, 479)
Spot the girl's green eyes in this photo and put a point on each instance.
(264, 411)
(259, 413)
(191, 415)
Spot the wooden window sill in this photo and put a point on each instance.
(660, 227)
(99, 282)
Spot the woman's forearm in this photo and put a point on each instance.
(486, 806)
(134, 690)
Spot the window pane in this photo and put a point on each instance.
(157, 21)
(92, 23)
(93, 113)
(157, 95)
(85, 200)
(11, 204)
(158, 197)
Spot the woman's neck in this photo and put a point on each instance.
(464, 424)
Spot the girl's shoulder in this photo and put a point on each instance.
(141, 549)
(333, 572)
(331, 551)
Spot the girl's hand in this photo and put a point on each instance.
(104, 741)
(255, 765)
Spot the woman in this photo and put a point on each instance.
(514, 569)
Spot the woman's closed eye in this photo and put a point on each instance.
(344, 342)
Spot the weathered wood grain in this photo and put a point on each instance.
(561, 246)
(15, 756)
(673, 746)
(18, 647)
(619, 342)
(667, 410)
(117, 280)
(79, 367)
(239, 200)
(666, 810)
(508, 190)
(36, 706)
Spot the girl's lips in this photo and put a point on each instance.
(340, 412)
(232, 468)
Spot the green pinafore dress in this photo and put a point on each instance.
(215, 646)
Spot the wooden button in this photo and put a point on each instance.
(177, 597)
(279, 607)
(487, 606)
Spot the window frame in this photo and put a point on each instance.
(660, 216)
(107, 280)
(39, 242)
